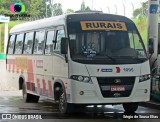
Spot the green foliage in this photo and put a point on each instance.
(10, 25)
(57, 9)
(32, 7)
(142, 11)
(141, 24)
(68, 11)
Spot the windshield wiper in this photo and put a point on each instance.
(134, 57)
(109, 57)
(140, 59)
(113, 59)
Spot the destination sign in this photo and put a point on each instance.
(103, 25)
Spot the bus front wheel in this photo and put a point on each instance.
(65, 107)
(130, 107)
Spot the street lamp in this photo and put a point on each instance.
(142, 8)
(124, 9)
(92, 4)
(47, 3)
(108, 9)
(132, 7)
(116, 8)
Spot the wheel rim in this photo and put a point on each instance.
(62, 102)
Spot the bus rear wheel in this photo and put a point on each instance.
(35, 98)
(64, 107)
(26, 96)
(130, 107)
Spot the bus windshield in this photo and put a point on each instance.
(106, 46)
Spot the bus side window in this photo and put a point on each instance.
(39, 42)
(11, 44)
(28, 43)
(60, 34)
(49, 42)
(19, 44)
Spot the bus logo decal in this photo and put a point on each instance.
(117, 81)
(103, 25)
(128, 70)
(106, 70)
(118, 70)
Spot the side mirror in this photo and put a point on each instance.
(64, 45)
(151, 46)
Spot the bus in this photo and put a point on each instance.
(79, 59)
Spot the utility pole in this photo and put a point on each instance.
(108, 9)
(116, 9)
(153, 26)
(124, 11)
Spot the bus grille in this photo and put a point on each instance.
(107, 83)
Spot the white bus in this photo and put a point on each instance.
(79, 59)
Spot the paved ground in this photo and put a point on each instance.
(12, 102)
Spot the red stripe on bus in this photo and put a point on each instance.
(44, 86)
(38, 86)
(50, 88)
(13, 65)
(30, 71)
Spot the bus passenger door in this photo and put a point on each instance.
(60, 67)
(48, 65)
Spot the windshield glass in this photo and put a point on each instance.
(122, 46)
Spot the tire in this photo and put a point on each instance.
(130, 107)
(64, 107)
(35, 98)
(26, 96)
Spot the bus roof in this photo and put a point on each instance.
(60, 20)
(42, 23)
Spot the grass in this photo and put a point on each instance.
(10, 25)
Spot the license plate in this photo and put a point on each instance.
(117, 88)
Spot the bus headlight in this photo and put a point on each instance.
(144, 78)
(81, 78)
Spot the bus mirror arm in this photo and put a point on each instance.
(151, 46)
(66, 58)
(54, 41)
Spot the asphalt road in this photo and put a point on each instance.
(12, 102)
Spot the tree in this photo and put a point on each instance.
(143, 10)
(56, 9)
(68, 11)
(32, 7)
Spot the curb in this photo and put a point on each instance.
(151, 104)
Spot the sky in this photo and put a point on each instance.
(105, 5)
